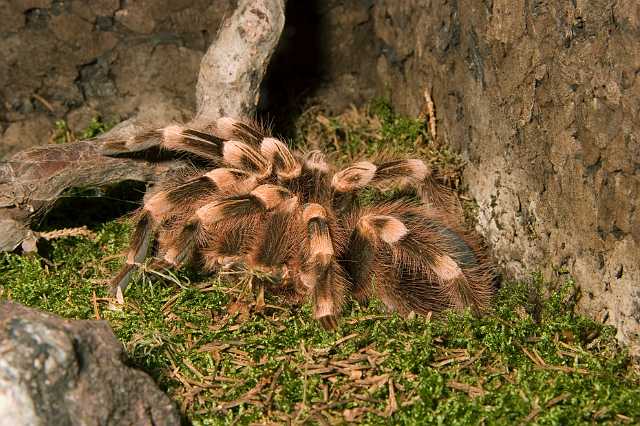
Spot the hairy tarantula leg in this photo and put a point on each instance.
(122, 279)
(363, 248)
(245, 157)
(406, 173)
(464, 275)
(279, 239)
(425, 253)
(198, 188)
(313, 181)
(316, 162)
(165, 202)
(174, 138)
(320, 272)
(454, 283)
(137, 251)
(365, 173)
(262, 199)
(193, 141)
(232, 129)
(283, 161)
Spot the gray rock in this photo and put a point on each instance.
(27, 133)
(61, 372)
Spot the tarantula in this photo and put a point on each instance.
(291, 215)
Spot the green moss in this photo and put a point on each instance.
(64, 134)
(224, 359)
(95, 128)
(174, 331)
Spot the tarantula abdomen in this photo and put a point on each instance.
(275, 210)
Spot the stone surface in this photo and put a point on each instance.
(543, 99)
(115, 59)
(56, 371)
(27, 133)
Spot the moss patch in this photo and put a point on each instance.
(64, 134)
(221, 357)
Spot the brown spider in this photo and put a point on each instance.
(292, 216)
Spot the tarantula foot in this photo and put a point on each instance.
(329, 322)
(121, 280)
(158, 265)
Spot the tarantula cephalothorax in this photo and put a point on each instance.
(293, 216)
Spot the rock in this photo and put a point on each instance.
(136, 17)
(80, 118)
(62, 372)
(113, 57)
(543, 99)
(11, 17)
(26, 133)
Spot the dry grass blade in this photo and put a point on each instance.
(475, 358)
(565, 369)
(535, 357)
(532, 415)
(558, 399)
(429, 112)
(81, 231)
(451, 360)
(624, 418)
(43, 101)
(344, 339)
(247, 397)
(473, 391)
(272, 387)
(392, 405)
(193, 369)
(367, 318)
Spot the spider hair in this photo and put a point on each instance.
(293, 215)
